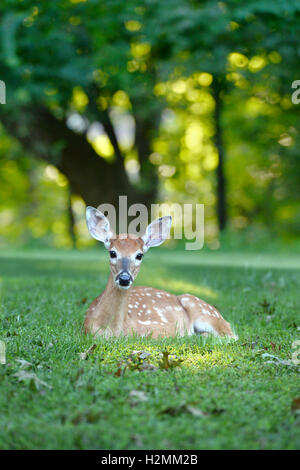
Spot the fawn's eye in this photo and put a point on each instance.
(112, 254)
(139, 256)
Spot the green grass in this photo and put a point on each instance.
(246, 401)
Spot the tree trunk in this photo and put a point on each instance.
(148, 173)
(221, 181)
(89, 175)
(71, 220)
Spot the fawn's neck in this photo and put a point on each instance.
(114, 306)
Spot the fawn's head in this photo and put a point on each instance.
(126, 251)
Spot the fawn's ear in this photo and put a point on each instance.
(157, 232)
(98, 225)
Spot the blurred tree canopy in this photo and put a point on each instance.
(183, 101)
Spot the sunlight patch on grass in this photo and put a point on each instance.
(197, 354)
(186, 287)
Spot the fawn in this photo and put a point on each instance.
(123, 310)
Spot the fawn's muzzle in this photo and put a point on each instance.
(124, 279)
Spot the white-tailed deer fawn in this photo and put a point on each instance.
(123, 310)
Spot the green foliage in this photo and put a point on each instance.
(162, 63)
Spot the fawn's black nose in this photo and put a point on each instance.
(124, 278)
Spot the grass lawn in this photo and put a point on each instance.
(221, 396)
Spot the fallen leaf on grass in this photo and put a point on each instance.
(13, 333)
(84, 355)
(168, 362)
(140, 354)
(296, 405)
(82, 301)
(195, 411)
(32, 378)
(184, 408)
(138, 395)
(276, 360)
(137, 361)
(24, 364)
(120, 371)
(274, 346)
(78, 374)
(267, 307)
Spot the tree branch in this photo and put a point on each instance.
(90, 176)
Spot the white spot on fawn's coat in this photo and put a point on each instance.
(145, 322)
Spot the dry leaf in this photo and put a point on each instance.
(296, 405)
(24, 364)
(184, 408)
(32, 378)
(120, 371)
(140, 354)
(139, 395)
(217, 411)
(84, 355)
(168, 362)
(137, 361)
(195, 411)
(276, 360)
